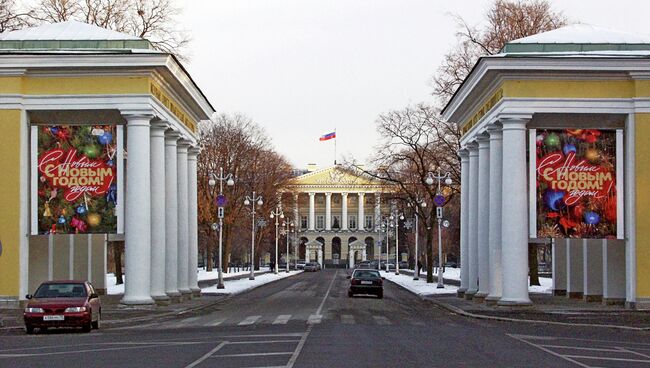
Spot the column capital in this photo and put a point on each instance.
(514, 122)
(184, 143)
(463, 153)
(327, 194)
(344, 194)
(311, 194)
(483, 140)
(137, 115)
(193, 151)
(495, 131)
(472, 147)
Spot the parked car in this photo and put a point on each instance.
(391, 265)
(300, 265)
(451, 264)
(363, 264)
(366, 281)
(312, 267)
(66, 303)
(403, 265)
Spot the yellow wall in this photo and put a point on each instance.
(642, 133)
(569, 88)
(10, 202)
(74, 85)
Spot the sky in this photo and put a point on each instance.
(304, 68)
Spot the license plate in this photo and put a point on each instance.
(366, 282)
(53, 318)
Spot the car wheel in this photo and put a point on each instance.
(87, 326)
(95, 324)
(380, 295)
(29, 329)
(350, 294)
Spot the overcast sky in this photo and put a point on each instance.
(302, 68)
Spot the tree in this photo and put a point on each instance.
(154, 20)
(506, 20)
(11, 17)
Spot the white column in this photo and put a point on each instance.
(472, 229)
(183, 220)
(613, 277)
(496, 171)
(296, 214)
(171, 216)
(361, 215)
(158, 213)
(137, 253)
(193, 227)
(344, 211)
(592, 268)
(483, 218)
(574, 264)
(312, 212)
(351, 258)
(514, 210)
(328, 211)
(559, 267)
(377, 223)
(464, 221)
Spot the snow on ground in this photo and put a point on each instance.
(214, 274)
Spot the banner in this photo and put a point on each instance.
(77, 179)
(576, 183)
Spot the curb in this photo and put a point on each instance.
(463, 313)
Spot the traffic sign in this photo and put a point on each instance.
(439, 200)
(445, 223)
(221, 200)
(220, 212)
(439, 212)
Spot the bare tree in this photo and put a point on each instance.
(11, 17)
(506, 20)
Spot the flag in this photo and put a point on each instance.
(327, 136)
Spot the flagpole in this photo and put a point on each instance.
(335, 146)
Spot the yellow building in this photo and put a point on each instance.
(81, 109)
(553, 148)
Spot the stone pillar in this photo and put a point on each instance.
(171, 216)
(559, 267)
(344, 211)
(137, 234)
(193, 227)
(613, 275)
(496, 173)
(483, 218)
(157, 149)
(351, 258)
(361, 215)
(377, 212)
(364, 255)
(307, 251)
(328, 211)
(574, 283)
(183, 220)
(296, 214)
(472, 255)
(312, 211)
(514, 210)
(464, 222)
(320, 257)
(592, 263)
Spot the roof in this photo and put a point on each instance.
(334, 176)
(70, 30)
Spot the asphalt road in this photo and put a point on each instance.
(309, 321)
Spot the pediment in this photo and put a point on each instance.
(333, 176)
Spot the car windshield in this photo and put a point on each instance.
(366, 274)
(72, 290)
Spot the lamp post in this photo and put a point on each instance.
(387, 226)
(277, 215)
(396, 217)
(289, 229)
(221, 202)
(416, 273)
(251, 201)
(429, 181)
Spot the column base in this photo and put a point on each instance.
(161, 299)
(558, 292)
(196, 293)
(516, 304)
(630, 305)
(592, 298)
(186, 294)
(479, 298)
(145, 300)
(492, 300)
(174, 297)
(613, 301)
(574, 294)
(460, 293)
(469, 294)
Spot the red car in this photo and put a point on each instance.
(69, 303)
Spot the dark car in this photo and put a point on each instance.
(366, 281)
(312, 267)
(68, 303)
(363, 264)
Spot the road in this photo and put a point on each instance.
(309, 321)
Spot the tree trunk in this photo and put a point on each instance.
(227, 243)
(208, 253)
(429, 254)
(532, 264)
(118, 248)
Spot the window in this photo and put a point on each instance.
(336, 222)
(368, 221)
(303, 222)
(352, 221)
(320, 222)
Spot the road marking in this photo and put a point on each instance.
(216, 322)
(249, 320)
(282, 319)
(261, 342)
(250, 355)
(187, 321)
(516, 337)
(347, 319)
(608, 358)
(207, 355)
(314, 319)
(381, 320)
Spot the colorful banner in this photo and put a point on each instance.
(77, 182)
(576, 183)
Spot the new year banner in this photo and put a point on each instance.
(576, 183)
(77, 179)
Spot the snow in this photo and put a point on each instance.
(585, 34)
(65, 31)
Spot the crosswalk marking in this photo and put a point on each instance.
(347, 319)
(249, 320)
(381, 320)
(282, 319)
(216, 322)
(314, 318)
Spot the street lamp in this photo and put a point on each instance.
(416, 273)
(252, 201)
(448, 181)
(397, 217)
(278, 214)
(288, 229)
(221, 202)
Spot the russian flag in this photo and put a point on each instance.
(327, 136)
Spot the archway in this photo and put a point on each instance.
(302, 248)
(370, 247)
(336, 250)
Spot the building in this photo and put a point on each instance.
(553, 150)
(99, 141)
(337, 213)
